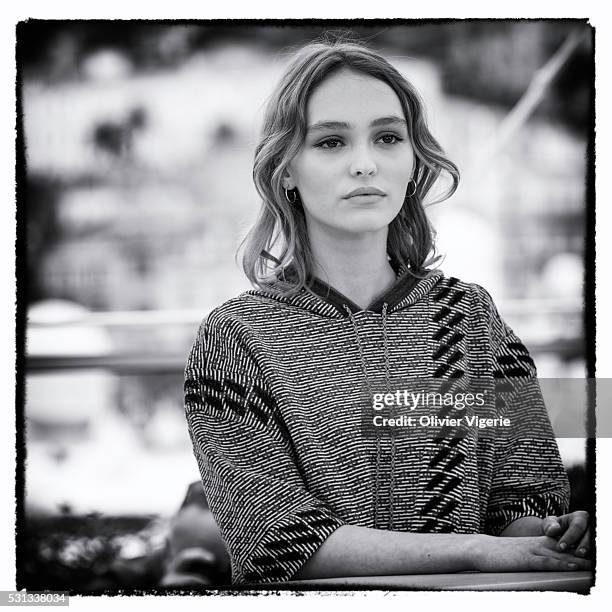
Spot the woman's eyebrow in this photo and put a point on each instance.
(391, 120)
(343, 125)
(328, 125)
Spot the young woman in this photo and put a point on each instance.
(282, 378)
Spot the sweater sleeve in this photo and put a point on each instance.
(269, 521)
(529, 478)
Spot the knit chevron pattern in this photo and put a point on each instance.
(274, 400)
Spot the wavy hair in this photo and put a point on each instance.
(282, 225)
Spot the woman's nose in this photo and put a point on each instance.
(363, 162)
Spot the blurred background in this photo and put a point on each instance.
(139, 140)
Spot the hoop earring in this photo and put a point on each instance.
(414, 188)
(293, 192)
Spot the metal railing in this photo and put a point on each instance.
(164, 360)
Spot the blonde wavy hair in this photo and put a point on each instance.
(282, 225)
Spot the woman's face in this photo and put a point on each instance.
(357, 139)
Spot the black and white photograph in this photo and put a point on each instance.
(305, 305)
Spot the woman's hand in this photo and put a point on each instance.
(571, 532)
(527, 554)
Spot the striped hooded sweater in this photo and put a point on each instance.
(275, 393)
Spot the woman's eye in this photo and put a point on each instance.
(329, 143)
(390, 138)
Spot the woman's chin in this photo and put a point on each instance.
(366, 222)
(354, 222)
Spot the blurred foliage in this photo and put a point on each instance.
(43, 230)
(83, 553)
(485, 59)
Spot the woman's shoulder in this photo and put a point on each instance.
(226, 328)
(455, 288)
(238, 308)
(246, 310)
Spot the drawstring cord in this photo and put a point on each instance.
(388, 388)
(370, 395)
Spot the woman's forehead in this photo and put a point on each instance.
(352, 97)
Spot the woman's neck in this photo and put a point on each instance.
(358, 269)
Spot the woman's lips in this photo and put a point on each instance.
(364, 192)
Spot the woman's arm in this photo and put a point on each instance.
(361, 551)
(269, 521)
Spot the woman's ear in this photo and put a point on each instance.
(287, 180)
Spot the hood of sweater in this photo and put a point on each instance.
(324, 300)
